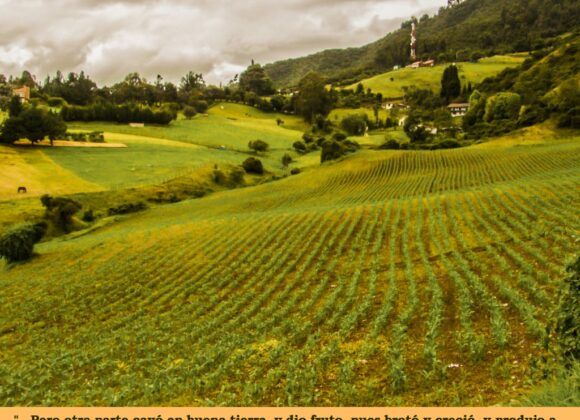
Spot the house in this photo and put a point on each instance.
(394, 105)
(458, 109)
(417, 64)
(23, 93)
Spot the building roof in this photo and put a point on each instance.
(458, 105)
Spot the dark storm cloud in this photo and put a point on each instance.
(109, 38)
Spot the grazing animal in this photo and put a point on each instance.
(22, 190)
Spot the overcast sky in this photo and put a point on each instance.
(108, 39)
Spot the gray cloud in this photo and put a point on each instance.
(109, 38)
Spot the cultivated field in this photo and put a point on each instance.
(391, 278)
(430, 77)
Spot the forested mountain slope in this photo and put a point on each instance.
(471, 29)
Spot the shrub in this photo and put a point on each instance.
(253, 166)
(18, 244)
(295, 171)
(55, 102)
(286, 159)
(350, 146)
(258, 145)
(300, 147)
(390, 144)
(331, 150)
(201, 106)
(447, 144)
(189, 112)
(219, 177)
(88, 216)
(237, 177)
(338, 136)
(568, 316)
(355, 124)
(312, 147)
(127, 208)
(60, 211)
(308, 138)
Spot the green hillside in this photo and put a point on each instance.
(369, 282)
(393, 83)
(471, 29)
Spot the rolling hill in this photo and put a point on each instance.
(392, 84)
(473, 28)
(368, 282)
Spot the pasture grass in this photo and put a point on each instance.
(430, 77)
(233, 127)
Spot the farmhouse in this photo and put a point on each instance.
(417, 64)
(458, 109)
(23, 93)
(394, 105)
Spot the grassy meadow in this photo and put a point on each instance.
(389, 278)
(392, 84)
(153, 154)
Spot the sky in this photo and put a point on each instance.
(109, 39)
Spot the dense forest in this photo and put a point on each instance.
(469, 30)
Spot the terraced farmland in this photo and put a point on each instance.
(391, 278)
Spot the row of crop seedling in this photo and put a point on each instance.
(380, 321)
(525, 310)
(396, 352)
(350, 312)
(468, 339)
(208, 283)
(435, 315)
(247, 285)
(518, 214)
(305, 377)
(499, 325)
(240, 327)
(319, 254)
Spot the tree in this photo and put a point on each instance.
(15, 107)
(313, 98)
(38, 123)
(191, 81)
(450, 83)
(414, 128)
(253, 166)
(54, 126)
(476, 109)
(12, 130)
(355, 124)
(255, 80)
(258, 146)
(503, 106)
(34, 124)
